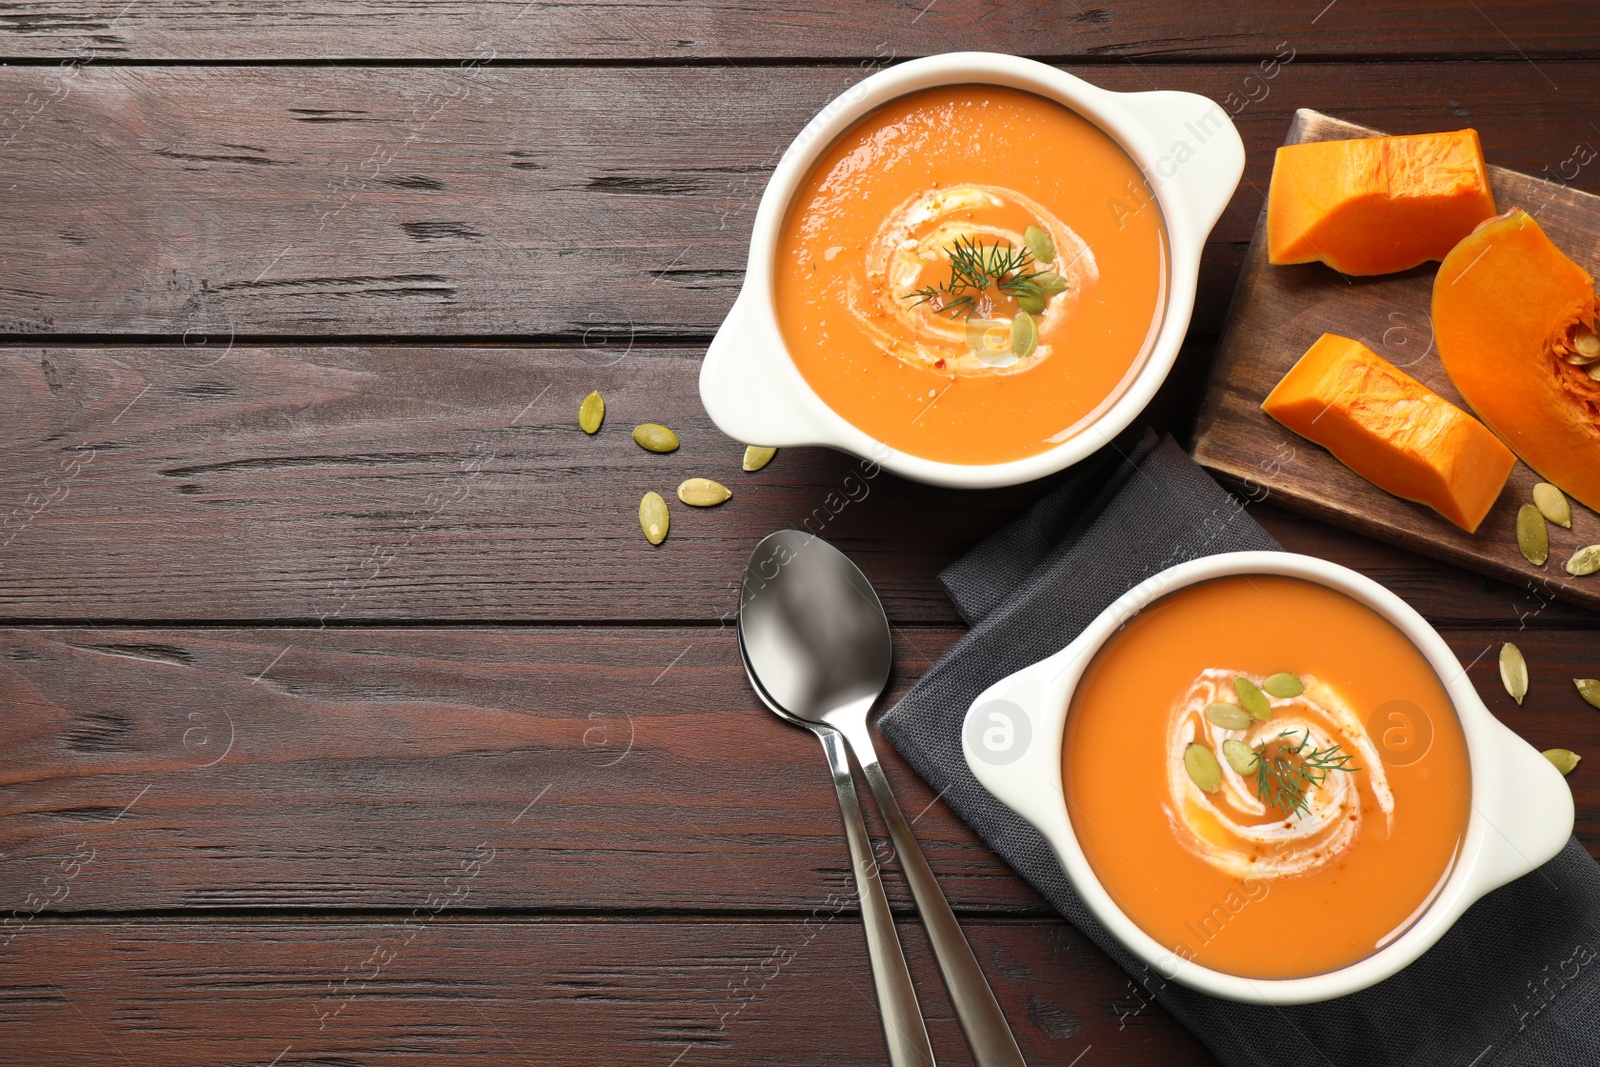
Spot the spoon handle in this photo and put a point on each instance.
(987, 1032)
(903, 1028)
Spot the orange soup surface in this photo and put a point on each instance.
(885, 316)
(1244, 878)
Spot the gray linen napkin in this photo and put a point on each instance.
(1515, 982)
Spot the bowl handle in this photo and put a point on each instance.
(1012, 744)
(750, 391)
(1197, 139)
(1527, 807)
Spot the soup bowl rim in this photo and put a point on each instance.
(749, 383)
(1521, 811)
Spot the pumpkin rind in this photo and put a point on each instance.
(1505, 304)
(1392, 430)
(1376, 205)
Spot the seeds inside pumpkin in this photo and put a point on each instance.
(1513, 671)
(1532, 537)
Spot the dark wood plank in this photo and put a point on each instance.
(1109, 30)
(335, 484)
(788, 993)
(531, 201)
(1277, 314)
(354, 769)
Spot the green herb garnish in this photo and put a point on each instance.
(1284, 778)
(975, 267)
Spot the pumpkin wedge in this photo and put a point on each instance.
(1392, 430)
(1515, 321)
(1375, 205)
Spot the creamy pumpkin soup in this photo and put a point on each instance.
(1266, 776)
(971, 274)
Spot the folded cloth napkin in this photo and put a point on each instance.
(1515, 982)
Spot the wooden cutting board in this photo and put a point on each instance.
(1277, 312)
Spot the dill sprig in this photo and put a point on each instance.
(1284, 778)
(974, 267)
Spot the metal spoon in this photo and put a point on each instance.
(903, 1028)
(812, 629)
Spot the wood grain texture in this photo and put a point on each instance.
(333, 484)
(609, 770)
(1109, 30)
(442, 990)
(519, 202)
(1279, 311)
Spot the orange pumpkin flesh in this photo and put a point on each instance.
(1508, 312)
(1376, 205)
(1392, 430)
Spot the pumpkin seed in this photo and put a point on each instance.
(1024, 335)
(1284, 685)
(756, 457)
(1240, 756)
(1033, 303)
(1589, 690)
(1254, 701)
(1552, 504)
(654, 437)
(1051, 283)
(1229, 716)
(653, 518)
(1513, 671)
(1594, 371)
(1204, 770)
(703, 493)
(1584, 561)
(1586, 344)
(1565, 759)
(591, 413)
(1532, 537)
(1040, 243)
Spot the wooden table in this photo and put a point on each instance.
(347, 717)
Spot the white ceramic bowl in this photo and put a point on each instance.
(1188, 150)
(1521, 812)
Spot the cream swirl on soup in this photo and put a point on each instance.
(910, 250)
(1233, 829)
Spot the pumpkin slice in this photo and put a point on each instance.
(1376, 204)
(1515, 321)
(1392, 430)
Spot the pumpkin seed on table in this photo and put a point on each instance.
(1283, 685)
(591, 413)
(1584, 561)
(703, 492)
(654, 437)
(1552, 504)
(1040, 243)
(1024, 335)
(1532, 537)
(1204, 770)
(1229, 716)
(1565, 759)
(1240, 756)
(1513, 671)
(653, 518)
(1253, 699)
(756, 457)
(1589, 690)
